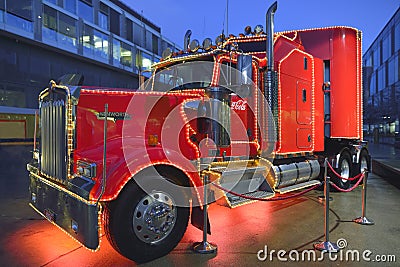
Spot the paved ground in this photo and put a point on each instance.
(28, 240)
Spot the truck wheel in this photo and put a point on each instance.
(363, 163)
(344, 170)
(143, 227)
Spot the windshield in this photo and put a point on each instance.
(188, 75)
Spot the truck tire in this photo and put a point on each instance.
(363, 163)
(142, 228)
(344, 169)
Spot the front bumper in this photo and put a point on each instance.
(75, 215)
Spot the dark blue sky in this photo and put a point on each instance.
(205, 17)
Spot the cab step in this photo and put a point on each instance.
(243, 180)
(295, 187)
(235, 201)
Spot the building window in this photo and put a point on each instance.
(52, 1)
(70, 5)
(2, 8)
(137, 34)
(87, 41)
(21, 8)
(149, 40)
(381, 78)
(67, 30)
(129, 29)
(372, 86)
(114, 22)
(100, 45)
(386, 47)
(103, 16)
(49, 23)
(397, 36)
(368, 61)
(392, 69)
(116, 52)
(147, 61)
(19, 15)
(85, 10)
(12, 97)
(59, 28)
(376, 57)
(126, 55)
(155, 44)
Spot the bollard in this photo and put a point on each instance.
(326, 246)
(204, 247)
(363, 219)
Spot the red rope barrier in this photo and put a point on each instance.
(343, 178)
(351, 188)
(271, 199)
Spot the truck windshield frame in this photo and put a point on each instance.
(182, 75)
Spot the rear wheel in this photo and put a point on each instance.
(344, 170)
(144, 226)
(363, 163)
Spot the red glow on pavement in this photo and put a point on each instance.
(39, 243)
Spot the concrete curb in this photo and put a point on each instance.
(387, 172)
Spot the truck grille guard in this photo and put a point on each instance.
(51, 185)
(56, 144)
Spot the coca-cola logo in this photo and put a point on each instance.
(239, 105)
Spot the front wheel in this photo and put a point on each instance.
(144, 226)
(344, 170)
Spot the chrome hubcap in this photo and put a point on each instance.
(345, 170)
(154, 217)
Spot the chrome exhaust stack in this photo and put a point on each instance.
(271, 76)
(270, 35)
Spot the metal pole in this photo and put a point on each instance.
(204, 247)
(205, 207)
(103, 184)
(326, 192)
(326, 246)
(34, 133)
(363, 219)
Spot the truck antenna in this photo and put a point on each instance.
(225, 18)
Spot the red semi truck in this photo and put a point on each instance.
(256, 113)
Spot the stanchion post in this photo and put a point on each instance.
(363, 219)
(204, 247)
(326, 246)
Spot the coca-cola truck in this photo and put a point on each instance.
(256, 114)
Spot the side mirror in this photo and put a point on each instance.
(245, 68)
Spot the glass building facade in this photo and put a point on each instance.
(105, 32)
(40, 40)
(382, 84)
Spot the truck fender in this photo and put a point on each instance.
(138, 160)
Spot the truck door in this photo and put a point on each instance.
(303, 115)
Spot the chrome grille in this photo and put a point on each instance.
(53, 137)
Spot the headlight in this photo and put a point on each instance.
(86, 169)
(194, 45)
(259, 29)
(207, 43)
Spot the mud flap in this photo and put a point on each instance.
(70, 212)
(197, 219)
